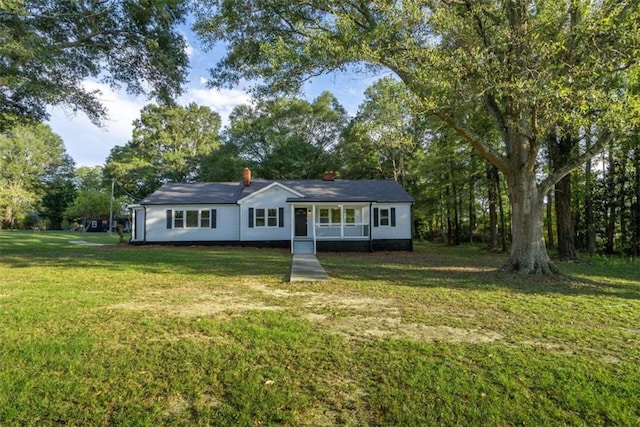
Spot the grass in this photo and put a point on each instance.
(103, 335)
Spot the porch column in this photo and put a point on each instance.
(342, 222)
(313, 226)
(293, 225)
(133, 224)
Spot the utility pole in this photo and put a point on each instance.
(113, 182)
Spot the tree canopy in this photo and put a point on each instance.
(288, 138)
(48, 48)
(33, 165)
(527, 66)
(383, 139)
(168, 144)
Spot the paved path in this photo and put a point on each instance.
(306, 268)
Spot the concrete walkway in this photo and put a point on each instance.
(306, 268)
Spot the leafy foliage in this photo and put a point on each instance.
(288, 138)
(528, 66)
(48, 49)
(33, 165)
(383, 138)
(169, 144)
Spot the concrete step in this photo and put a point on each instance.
(303, 247)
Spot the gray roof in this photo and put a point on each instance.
(381, 191)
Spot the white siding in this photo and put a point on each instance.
(274, 197)
(226, 225)
(403, 227)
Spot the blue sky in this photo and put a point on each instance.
(90, 145)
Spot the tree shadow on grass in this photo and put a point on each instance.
(474, 273)
(219, 261)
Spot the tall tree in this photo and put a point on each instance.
(523, 62)
(33, 164)
(590, 226)
(48, 49)
(58, 192)
(288, 138)
(385, 128)
(169, 144)
(560, 150)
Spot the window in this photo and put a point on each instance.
(178, 219)
(205, 219)
(260, 218)
(269, 217)
(332, 215)
(324, 216)
(350, 216)
(191, 218)
(335, 216)
(384, 217)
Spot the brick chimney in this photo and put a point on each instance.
(246, 177)
(329, 176)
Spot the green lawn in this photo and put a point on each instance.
(122, 335)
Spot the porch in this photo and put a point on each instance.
(328, 222)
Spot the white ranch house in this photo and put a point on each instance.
(304, 215)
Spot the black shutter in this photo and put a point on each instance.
(393, 217)
(280, 217)
(169, 218)
(214, 219)
(250, 217)
(375, 217)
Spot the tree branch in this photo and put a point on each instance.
(483, 149)
(574, 163)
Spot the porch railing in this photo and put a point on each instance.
(342, 231)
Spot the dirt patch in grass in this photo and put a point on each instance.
(353, 317)
(393, 327)
(192, 302)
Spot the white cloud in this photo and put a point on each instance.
(223, 101)
(90, 145)
(188, 49)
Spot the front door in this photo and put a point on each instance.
(301, 222)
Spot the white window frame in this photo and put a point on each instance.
(268, 220)
(384, 214)
(346, 216)
(329, 218)
(181, 217)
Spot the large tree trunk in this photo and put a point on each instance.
(560, 149)
(564, 220)
(611, 205)
(449, 222)
(528, 250)
(492, 178)
(635, 251)
(472, 209)
(588, 206)
(503, 227)
(550, 219)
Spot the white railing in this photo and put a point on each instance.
(342, 231)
